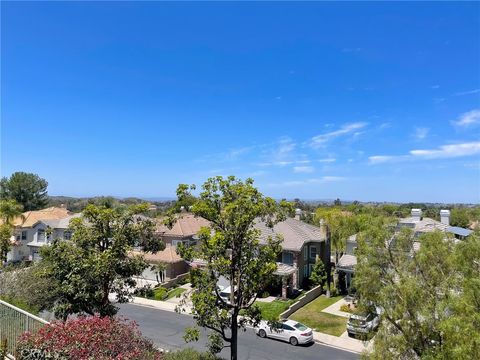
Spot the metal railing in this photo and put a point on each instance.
(14, 322)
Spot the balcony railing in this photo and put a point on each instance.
(14, 322)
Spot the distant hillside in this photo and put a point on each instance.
(78, 204)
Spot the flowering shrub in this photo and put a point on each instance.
(87, 338)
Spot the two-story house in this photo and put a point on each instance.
(39, 228)
(301, 246)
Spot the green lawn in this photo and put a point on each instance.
(312, 316)
(272, 310)
(175, 293)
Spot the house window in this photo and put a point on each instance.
(176, 242)
(305, 270)
(24, 235)
(67, 235)
(41, 235)
(313, 252)
(305, 253)
(310, 268)
(287, 258)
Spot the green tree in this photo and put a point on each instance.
(232, 250)
(5, 242)
(29, 190)
(159, 270)
(429, 297)
(97, 262)
(319, 273)
(341, 225)
(459, 217)
(9, 211)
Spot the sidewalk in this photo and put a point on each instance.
(159, 305)
(334, 309)
(343, 342)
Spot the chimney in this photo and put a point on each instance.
(416, 214)
(445, 217)
(298, 213)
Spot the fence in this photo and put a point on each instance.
(14, 322)
(302, 301)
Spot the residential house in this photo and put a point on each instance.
(39, 228)
(302, 245)
(183, 231)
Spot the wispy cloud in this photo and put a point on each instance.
(321, 180)
(347, 129)
(435, 87)
(303, 169)
(420, 133)
(327, 160)
(469, 118)
(442, 152)
(469, 92)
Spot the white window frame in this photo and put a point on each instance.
(305, 270)
(316, 253)
(305, 252)
(284, 256)
(310, 268)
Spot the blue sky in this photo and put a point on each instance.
(367, 101)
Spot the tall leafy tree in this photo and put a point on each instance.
(232, 250)
(97, 262)
(9, 211)
(427, 288)
(341, 225)
(27, 189)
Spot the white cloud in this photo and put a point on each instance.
(435, 86)
(470, 92)
(327, 160)
(469, 118)
(322, 180)
(442, 152)
(449, 151)
(303, 169)
(421, 133)
(320, 140)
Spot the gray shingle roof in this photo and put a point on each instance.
(295, 233)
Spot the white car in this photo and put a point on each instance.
(287, 330)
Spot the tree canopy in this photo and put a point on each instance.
(97, 261)
(27, 189)
(232, 250)
(428, 290)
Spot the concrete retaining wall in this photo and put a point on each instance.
(170, 283)
(302, 301)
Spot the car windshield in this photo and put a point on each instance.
(300, 327)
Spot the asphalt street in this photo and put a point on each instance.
(166, 330)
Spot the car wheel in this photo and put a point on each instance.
(262, 333)
(293, 341)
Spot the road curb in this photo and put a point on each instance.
(337, 347)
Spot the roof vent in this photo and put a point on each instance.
(416, 214)
(298, 213)
(445, 217)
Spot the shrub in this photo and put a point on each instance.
(346, 308)
(189, 354)
(160, 293)
(146, 292)
(87, 338)
(264, 295)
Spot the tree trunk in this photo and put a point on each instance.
(234, 338)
